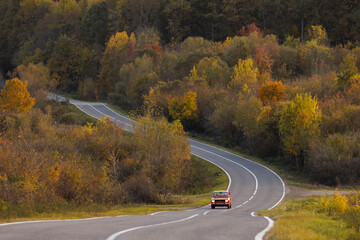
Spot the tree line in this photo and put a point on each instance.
(291, 97)
(29, 25)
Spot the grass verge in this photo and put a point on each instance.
(298, 219)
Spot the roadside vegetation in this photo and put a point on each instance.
(50, 168)
(327, 217)
(286, 91)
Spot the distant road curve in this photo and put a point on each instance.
(253, 187)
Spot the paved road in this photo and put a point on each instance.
(253, 187)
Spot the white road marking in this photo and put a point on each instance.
(115, 235)
(206, 212)
(85, 112)
(282, 182)
(103, 114)
(256, 180)
(261, 234)
(48, 221)
(152, 214)
(218, 167)
(253, 214)
(131, 126)
(130, 120)
(271, 223)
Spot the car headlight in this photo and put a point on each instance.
(212, 200)
(226, 200)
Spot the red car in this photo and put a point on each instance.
(221, 198)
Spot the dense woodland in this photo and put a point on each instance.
(278, 79)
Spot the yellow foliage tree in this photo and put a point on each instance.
(16, 97)
(184, 108)
(299, 124)
(119, 48)
(315, 54)
(245, 76)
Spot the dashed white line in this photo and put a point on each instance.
(115, 235)
(256, 180)
(206, 212)
(282, 182)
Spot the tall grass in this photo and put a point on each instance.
(328, 217)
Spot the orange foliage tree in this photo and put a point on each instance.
(263, 59)
(16, 97)
(271, 92)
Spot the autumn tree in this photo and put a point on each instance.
(68, 63)
(164, 152)
(315, 54)
(271, 92)
(263, 59)
(38, 78)
(247, 111)
(245, 75)
(183, 108)
(222, 118)
(299, 124)
(347, 72)
(236, 48)
(215, 71)
(134, 81)
(16, 97)
(119, 48)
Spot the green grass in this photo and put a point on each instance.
(299, 219)
(209, 173)
(82, 117)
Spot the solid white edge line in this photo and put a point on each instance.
(84, 111)
(103, 115)
(271, 222)
(115, 235)
(218, 167)
(261, 234)
(256, 180)
(48, 221)
(282, 182)
(155, 213)
(130, 120)
(115, 120)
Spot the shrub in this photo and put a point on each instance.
(336, 159)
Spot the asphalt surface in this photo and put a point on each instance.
(253, 187)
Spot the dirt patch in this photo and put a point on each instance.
(297, 192)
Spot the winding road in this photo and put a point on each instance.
(253, 187)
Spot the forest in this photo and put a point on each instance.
(276, 79)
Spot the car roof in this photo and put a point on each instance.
(222, 191)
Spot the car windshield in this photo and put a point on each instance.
(220, 194)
